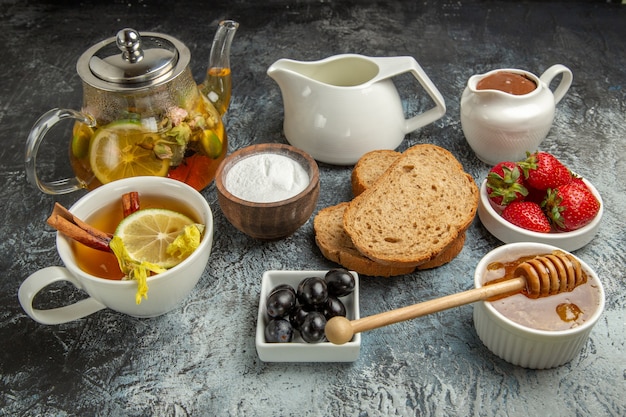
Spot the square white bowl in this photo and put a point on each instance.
(298, 350)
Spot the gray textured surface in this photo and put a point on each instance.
(200, 359)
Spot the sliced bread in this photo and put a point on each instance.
(415, 211)
(447, 255)
(370, 167)
(336, 245)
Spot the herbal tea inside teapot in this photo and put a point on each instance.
(143, 113)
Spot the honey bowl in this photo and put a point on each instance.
(539, 333)
(268, 191)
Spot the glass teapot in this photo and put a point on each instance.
(142, 113)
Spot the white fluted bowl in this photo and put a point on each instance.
(522, 345)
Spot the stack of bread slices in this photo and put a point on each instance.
(410, 211)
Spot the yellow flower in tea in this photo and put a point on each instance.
(186, 242)
(134, 270)
(152, 241)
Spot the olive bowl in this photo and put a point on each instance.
(298, 350)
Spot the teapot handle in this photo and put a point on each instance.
(392, 66)
(564, 84)
(35, 137)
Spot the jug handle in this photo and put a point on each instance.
(392, 66)
(41, 279)
(564, 84)
(35, 138)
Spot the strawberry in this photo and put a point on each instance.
(535, 195)
(527, 215)
(543, 170)
(571, 206)
(579, 180)
(505, 183)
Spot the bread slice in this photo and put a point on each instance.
(370, 167)
(415, 211)
(336, 245)
(447, 255)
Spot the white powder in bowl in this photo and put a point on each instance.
(266, 178)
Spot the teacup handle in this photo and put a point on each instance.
(35, 137)
(41, 279)
(392, 66)
(564, 84)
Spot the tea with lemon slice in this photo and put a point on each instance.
(174, 215)
(186, 145)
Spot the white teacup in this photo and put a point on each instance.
(166, 290)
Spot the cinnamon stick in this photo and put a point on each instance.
(73, 227)
(130, 203)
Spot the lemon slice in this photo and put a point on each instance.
(146, 235)
(81, 137)
(116, 153)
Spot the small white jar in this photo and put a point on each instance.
(500, 126)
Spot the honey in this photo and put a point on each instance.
(556, 312)
(104, 264)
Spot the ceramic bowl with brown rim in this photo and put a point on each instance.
(269, 190)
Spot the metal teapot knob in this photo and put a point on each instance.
(129, 42)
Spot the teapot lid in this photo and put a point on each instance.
(131, 61)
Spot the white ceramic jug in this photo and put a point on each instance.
(500, 126)
(341, 107)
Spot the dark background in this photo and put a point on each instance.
(201, 359)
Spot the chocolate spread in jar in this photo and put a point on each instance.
(509, 82)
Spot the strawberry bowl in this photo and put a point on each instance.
(489, 215)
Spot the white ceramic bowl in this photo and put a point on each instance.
(510, 233)
(298, 350)
(522, 345)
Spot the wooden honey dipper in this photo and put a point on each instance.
(538, 277)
